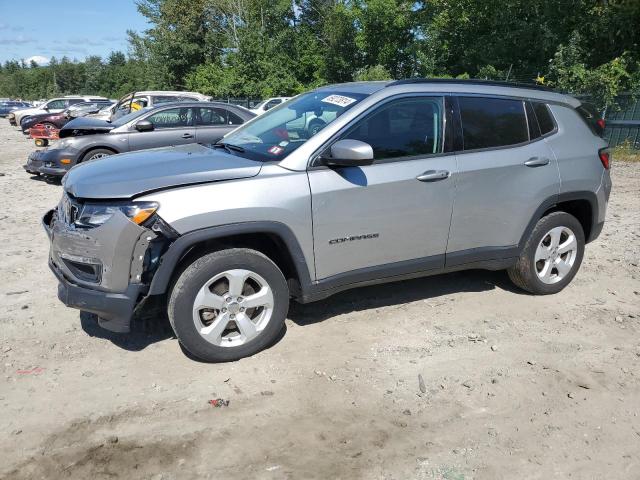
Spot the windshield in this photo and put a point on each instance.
(127, 118)
(280, 131)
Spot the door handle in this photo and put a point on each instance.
(433, 175)
(187, 135)
(537, 162)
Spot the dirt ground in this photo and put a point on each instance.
(515, 386)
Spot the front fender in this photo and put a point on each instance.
(181, 246)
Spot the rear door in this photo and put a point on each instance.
(172, 126)
(213, 123)
(506, 171)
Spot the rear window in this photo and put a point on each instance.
(592, 118)
(545, 120)
(492, 122)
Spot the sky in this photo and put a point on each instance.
(75, 28)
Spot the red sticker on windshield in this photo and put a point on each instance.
(275, 150)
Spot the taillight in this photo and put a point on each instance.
(601, 123)
(604, 155)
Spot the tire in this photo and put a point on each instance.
(96, 153)
(551, 256)
(212, 272)
(315, 126)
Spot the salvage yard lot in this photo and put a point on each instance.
(515, 386)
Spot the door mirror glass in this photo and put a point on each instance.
(144, 126)
(349, 153)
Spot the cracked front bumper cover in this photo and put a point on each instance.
(114, 310)
(112, 295)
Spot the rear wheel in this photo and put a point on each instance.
(97, 153)
(228, 304)
(552, 255)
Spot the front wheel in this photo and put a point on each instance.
(552, 255)
(228, 304)
(96, 154)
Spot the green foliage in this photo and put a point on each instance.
(261, 48)
(377, 72)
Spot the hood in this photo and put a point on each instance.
(85, 126)
(130, 174)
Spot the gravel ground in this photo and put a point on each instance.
(513, 386)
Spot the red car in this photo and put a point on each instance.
(48, 120)
(58, 120)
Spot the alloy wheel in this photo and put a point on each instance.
(556, 255)
(233, 308)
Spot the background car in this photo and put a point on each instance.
(180, 123)
(268, 104)
(147, 99)
(58, 120)
(87, 108)
(9, 106)
(54, 105)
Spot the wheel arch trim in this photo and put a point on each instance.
(181, 246)
(555, 200)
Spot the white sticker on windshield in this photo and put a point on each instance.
(339, 100)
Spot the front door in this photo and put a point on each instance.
(171, 126)
(396, 212)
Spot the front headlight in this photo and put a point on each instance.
(65, 142)
(95, 214)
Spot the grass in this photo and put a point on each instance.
(624, 153)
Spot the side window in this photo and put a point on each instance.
(73, 101)
(492, 122)
(532, 122)
(545, 121)
(172, 118)
(234, 119)
(55, 104)
(402, 128)
(165, 99)
(272, 103)
(212, 116)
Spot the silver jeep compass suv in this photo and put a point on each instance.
(404, 179)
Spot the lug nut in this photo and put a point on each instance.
(228, 299)
(240, 299)
(232, 316)
(242, 309)
(224, 309)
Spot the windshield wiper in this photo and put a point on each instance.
(229, 147)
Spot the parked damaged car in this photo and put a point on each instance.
(59, 119)
(170, 124)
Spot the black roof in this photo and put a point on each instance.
(472, 81)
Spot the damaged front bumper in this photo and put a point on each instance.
(102, 270)
(48, 162)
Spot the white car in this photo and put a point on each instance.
(148, 99)
(55, 105)
(268, 104)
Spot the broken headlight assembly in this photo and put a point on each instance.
(90, 215)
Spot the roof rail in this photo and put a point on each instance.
(471, 81)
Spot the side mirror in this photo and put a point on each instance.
(144, 126)
(349, 153)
